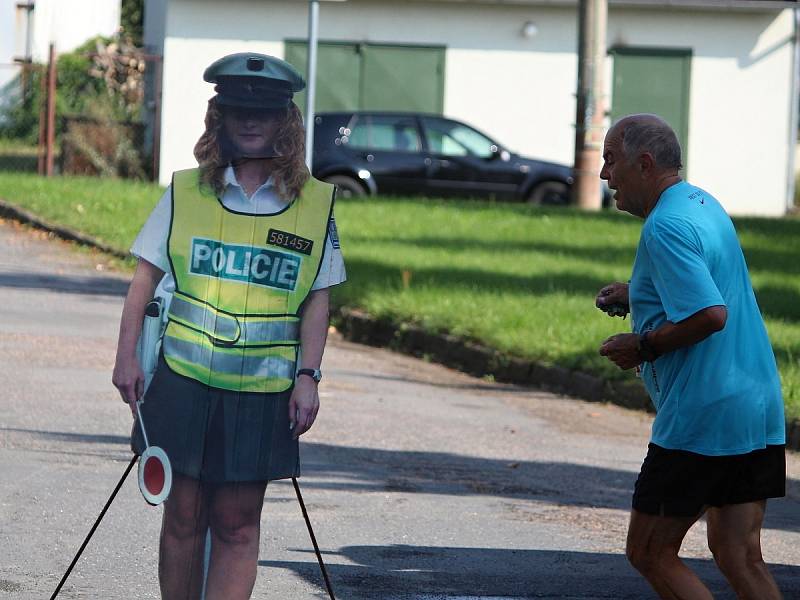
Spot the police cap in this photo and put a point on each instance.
(251, 80)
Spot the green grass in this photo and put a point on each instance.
(518, 278)
(111, 210)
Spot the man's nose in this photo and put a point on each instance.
(604, 173)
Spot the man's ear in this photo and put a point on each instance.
(646, 163)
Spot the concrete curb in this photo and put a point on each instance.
(469, 357)
(10, 211)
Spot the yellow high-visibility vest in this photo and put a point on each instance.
(240, 281)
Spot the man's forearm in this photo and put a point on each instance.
(672, 336)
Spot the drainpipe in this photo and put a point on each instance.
(793, 110)
(28, 31)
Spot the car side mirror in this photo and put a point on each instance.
(499, 153)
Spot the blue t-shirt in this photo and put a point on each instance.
(722, 395)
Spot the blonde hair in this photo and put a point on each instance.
(289, 168)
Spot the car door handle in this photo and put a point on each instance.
(440, 162)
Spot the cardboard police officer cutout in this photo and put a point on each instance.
(229, 341)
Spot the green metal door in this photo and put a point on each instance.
(354, 76)
(338, 74)
(654, 80)
(403, 78)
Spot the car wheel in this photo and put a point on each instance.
(550, 192)
(346, 187)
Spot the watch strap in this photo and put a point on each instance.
(646, 350)
(315, 374)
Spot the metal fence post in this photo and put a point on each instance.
(51, 112)
(42, 121)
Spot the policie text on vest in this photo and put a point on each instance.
(261, 266)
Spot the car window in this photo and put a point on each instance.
(398, 134)
(455, 139)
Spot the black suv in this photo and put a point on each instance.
(418, 154)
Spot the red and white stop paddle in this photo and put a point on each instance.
(155, 472)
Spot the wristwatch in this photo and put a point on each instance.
(646, 351)
(315, 374)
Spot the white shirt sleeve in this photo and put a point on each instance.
(151, 243)
(331, 269)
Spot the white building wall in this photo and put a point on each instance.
(69, 23)
(522, 90)
(740, 98)
(10, 23)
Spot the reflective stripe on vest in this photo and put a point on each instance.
(234, 319)
(240, 368)
(230, 364)
(230, 329)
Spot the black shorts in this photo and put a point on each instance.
(677, 483)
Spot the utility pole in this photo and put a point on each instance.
(590, 111)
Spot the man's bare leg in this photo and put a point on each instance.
(652, 548)
(734, 537)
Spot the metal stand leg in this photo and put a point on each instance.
(94, 527)
(313, 539)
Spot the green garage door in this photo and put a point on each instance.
(373, 76)
(403, 78)
(338, 74)
(654, 80)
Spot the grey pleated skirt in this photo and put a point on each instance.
(214, 435)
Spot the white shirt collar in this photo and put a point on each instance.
(230, 179)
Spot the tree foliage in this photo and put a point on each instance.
(99, 103)
(132, 20)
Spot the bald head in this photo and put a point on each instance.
(648, 133)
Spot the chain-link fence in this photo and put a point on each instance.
(92, 112)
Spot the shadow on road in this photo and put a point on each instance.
(404, 571)
(376, 470)
(71, 284)
(66, 436)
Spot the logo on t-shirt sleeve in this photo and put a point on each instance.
(698, 196)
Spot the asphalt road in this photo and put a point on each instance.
(422, 483)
